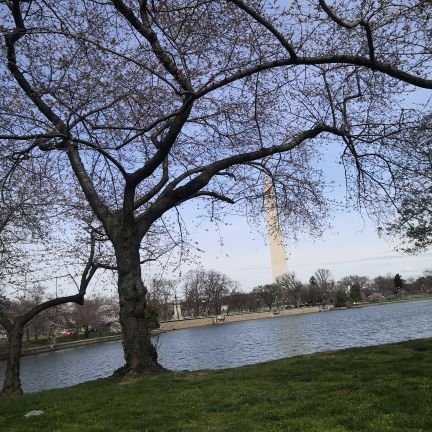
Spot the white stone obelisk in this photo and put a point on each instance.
(177, 310)
(277, 249)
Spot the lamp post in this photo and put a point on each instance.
(258, 300)
(56, 282)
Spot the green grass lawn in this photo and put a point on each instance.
(385, 388)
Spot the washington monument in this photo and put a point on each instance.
(277, 249)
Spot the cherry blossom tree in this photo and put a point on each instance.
(148, 105)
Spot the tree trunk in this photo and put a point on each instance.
(12, 382)
(140, 354)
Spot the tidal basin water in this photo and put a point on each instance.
(237, 344)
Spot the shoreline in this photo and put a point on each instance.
(166, 326)
(62, 346)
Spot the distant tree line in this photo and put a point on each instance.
(202, 293)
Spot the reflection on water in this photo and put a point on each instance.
(237, 344)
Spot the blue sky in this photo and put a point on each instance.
(352, 248)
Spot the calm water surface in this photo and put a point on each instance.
(237, 344)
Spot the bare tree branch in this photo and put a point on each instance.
(267, 24)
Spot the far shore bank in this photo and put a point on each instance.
(63, 345)
(232, 318)
(246, 316)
